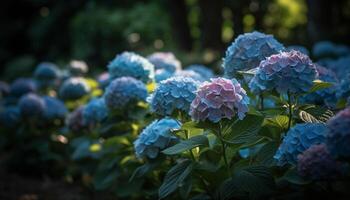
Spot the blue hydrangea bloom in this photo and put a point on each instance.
(4, 89)
(162, 74)
(103, 79)
(316, 163)
(329, 49)
(46, 71)
(343, 88)
(190, 74)
(248, 50)
(78, 67)
(204, 71)
(156, 137)
(124, 91)
(22, 86)
(297, 140)
(338, 135)
(173, 94)
(54, 108)
(74, 120)
(95, 111)
(325, 96)
(302, 49)
(31, 105)
(132, 65)
(74, 88)
(10, 116)
(340, 66)
(287, 71)
(165, 60)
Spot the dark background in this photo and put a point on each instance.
(197, 31)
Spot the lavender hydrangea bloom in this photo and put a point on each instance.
(74, 120)
(204, 71)
(302, 49)
(165, 60)
(78, 67)
(123, 91)
(162, 74)
(316, 163)
(22, 86)
(338, 135)
(218, 99)
(248, 50)
(54, 108)
(74, 88)
(31, 105)
(284, 72)
(46, 72)
(173, 94)
(95, 111)
(325, 96)
(156, 137)
(190, 74)
(10, 116)
(298, 139)
(132, 65)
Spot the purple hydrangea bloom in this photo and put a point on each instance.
(284, 72)
(162, 74)
(124, 91)
(218, 99)
(74, 88)
(316, 163)
(173, 94)
(95, 111)
(22, 86)
(248, 50)
(165, 60)
(190, 74)
(297, 140)
(54, 108)
(132, 65)
(31, 105)
(74, 120)
(204, 71)
(156, 137)
(338, 135)
(78, 67)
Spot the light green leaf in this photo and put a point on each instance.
(320, 85)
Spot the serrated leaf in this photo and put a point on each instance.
(319, 85)
(174, 178)
(196, 141)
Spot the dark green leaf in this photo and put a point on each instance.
(292, 176)
(199, 140)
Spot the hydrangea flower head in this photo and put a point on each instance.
(103, 79)
(74, 88)
(343, 88)
(124, 91)
(165, 60)
(204, 71)
(190, 74)
(31, 105)
(156, 137)
(54, 108)
(95, 111)
(78, 67)
(161, 75)
(173, 94)
(132, 65)
(316, 163)
(329, 49)
(297, 140)
(284, 72)
(22, 86)
(299, 48)
(338, 135)
(10, 116)
(74, 120)
(220, 98)
(46, 71)
(248, 50)
(340, 66)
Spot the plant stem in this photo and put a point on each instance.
(223, 145)
(261, 97)
(290, 112)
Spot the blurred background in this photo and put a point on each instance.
(197, 31)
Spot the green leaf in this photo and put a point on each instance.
(292, 176)
(280, 121)
(105, 179)
(196, 141)
(192, 129)
(142, 170)
(320, 85)
(244, 130)
(175, 178)
(266, 153)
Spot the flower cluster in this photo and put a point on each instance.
(161, 75)
(156, 137)
(10, 116)
(74, 120)
(22, 86)
(78, 67)
(218, 99)
(46, 74)
(166, 61)
(54, 108)
(74, 88)
(173, 94)
(284, 72)
(298, 139)
(95, 111)
(123, 91)
(204, 71)
(190, 74)
(248, 50)
(338, 135)
(343, 89)
(299, 48)
(132, 65)
(339, 66)
(4, 89)
(329, 49)
(316, 163)
(31, 105)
